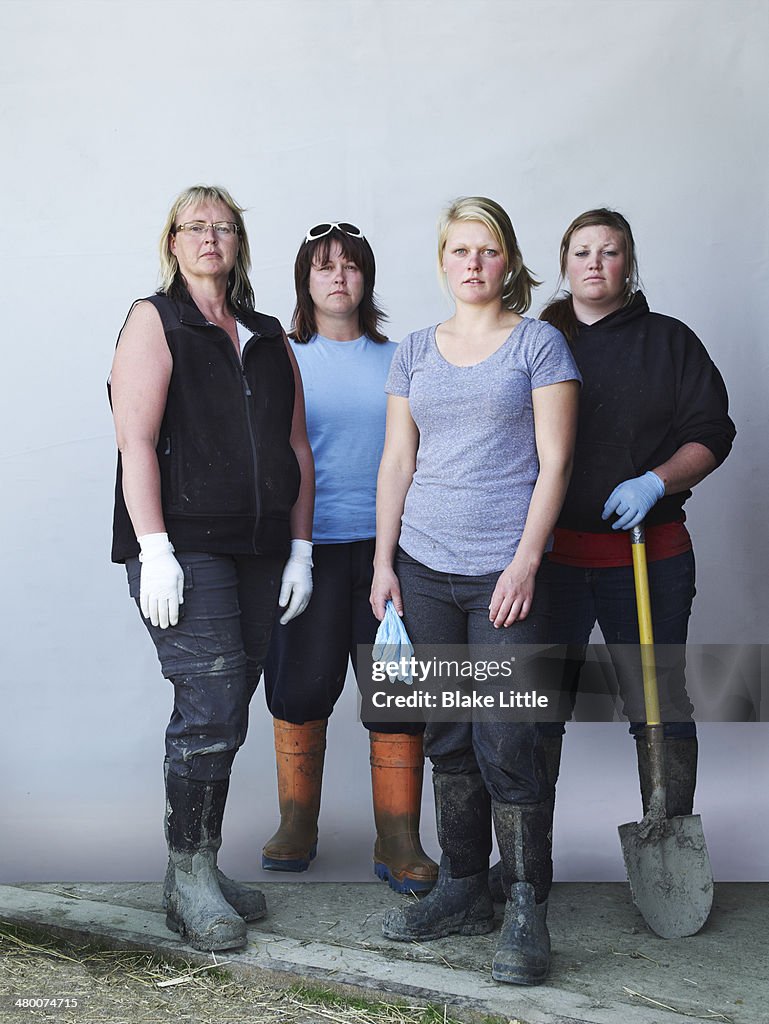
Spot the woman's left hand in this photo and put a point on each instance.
(296, 583)
(513, 595)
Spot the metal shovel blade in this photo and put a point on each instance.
(670, 874)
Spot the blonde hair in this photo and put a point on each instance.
(519, 281)
(240, 294)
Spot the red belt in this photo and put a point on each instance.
(572, 547)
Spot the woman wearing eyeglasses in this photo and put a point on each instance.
(214, 489)
(481, 421)
(344, 359)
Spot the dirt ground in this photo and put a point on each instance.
(119, 987)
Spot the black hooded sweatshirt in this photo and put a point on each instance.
(649, 387)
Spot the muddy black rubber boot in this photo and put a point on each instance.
(680, 774)
(196, 907)
(249, 903)
(552, 746)
(455, 906)
(523, 953)
(525, 843)
(460, 903)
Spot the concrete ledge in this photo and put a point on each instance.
(330, 933)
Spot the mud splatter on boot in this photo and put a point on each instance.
(196, 907)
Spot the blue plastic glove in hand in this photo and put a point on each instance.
(392, 644)
(632, 499)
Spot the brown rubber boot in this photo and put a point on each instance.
(299, 753)
(397, 765)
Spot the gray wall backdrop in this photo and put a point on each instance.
(379, 112)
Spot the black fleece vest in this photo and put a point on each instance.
(228, 473)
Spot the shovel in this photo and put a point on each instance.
(666, 859)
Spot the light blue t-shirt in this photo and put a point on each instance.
(477, 458)
(346, 410)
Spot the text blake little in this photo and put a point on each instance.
(460, 699)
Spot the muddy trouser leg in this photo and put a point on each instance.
(460, 902)
(213, 658)
(512, 760)
(474, 762)
(671, 584)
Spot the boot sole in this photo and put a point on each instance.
(295, 864)
(482, 927)
(509, 976)
(175, 925)
(405, 885)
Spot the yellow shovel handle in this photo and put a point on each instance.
(645, 631)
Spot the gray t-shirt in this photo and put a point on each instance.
(477, 459)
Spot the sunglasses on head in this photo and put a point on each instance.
(321, 230)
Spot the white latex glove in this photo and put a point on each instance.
(296, 584)
(161, 589)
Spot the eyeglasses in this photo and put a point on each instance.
(223, 228)
(321, 230)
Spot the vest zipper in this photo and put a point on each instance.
(255, 460)
(247, 393)
(252, 438)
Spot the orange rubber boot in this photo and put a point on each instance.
(397, 764)
(299, 753)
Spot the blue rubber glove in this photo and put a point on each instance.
(632, 499)
(392, 644)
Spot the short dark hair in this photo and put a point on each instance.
(359, 252)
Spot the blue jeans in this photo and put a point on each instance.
(214, 656)
(581, 597)
(445, 608)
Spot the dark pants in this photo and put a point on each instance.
(581, 597)
(445, 608)
(214, 656)
(306, 665)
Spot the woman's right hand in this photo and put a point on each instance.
(385, 587)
